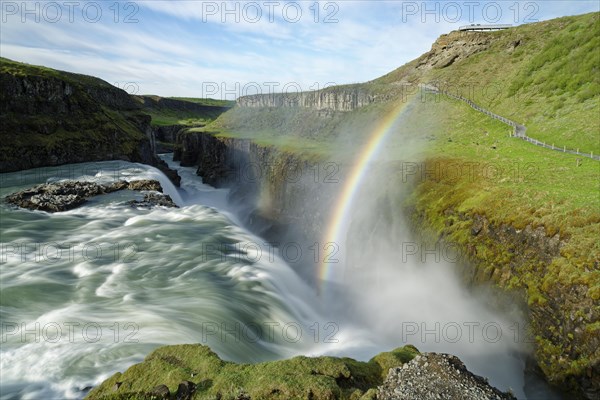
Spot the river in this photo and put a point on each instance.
(91, 291)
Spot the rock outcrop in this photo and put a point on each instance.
(63, 196)
(194, 370)
(432, 376)
(454, 46)
(167, 133)
(50, 117)
(339, 98)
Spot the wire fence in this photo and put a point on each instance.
(518, 129)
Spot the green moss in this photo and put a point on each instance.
(322, 377)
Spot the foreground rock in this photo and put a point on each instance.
(437, 376)
(63, 196)
(194, 371)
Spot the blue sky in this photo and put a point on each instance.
(222, 49)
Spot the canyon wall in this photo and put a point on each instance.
(278, 195)
(277, 205)
(339, 98)
(51, 118)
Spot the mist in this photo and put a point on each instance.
(395, 286)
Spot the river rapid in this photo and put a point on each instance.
(89, 292)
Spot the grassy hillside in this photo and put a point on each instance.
(544, 75)
(51, 117)
(301, 131)
(515, 185)
(182, 111)
(206, 101)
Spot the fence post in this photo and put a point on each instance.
(577, 151)
(564, 149)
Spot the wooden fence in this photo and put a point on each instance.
(518, 129)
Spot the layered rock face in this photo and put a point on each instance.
(274, 189)
(167, 133)
(343, 98)
(51, 117)
(453, 47)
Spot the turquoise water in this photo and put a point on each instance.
(126, 281)
(91, 291)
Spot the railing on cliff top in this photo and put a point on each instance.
(484, 27)
(518, 129)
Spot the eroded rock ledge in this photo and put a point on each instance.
(432, 376)
(63, 196)
(193, 371)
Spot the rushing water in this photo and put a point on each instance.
(88, 292)
(126, 281)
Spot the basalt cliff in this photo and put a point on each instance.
(51, 117)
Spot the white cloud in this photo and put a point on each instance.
(176, 48)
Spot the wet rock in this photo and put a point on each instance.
(170, 173)
(153, 200)
(63, 196)
(55, 197)
(144, 184)
(437, 376)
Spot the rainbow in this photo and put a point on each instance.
(339, 218)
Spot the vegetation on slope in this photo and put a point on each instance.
(481, 172)
(309, 133)
(544, 75)
(183, 111)
(299, 377)
(51, 117)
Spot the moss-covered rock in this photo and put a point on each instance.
(296, 378)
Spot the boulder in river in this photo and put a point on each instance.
(66, 195)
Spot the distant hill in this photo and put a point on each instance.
(182, 110)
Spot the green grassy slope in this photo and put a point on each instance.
(544, 75)
(514, 184)
(182, 111)
(51, 117)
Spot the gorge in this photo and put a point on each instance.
(358, 219)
